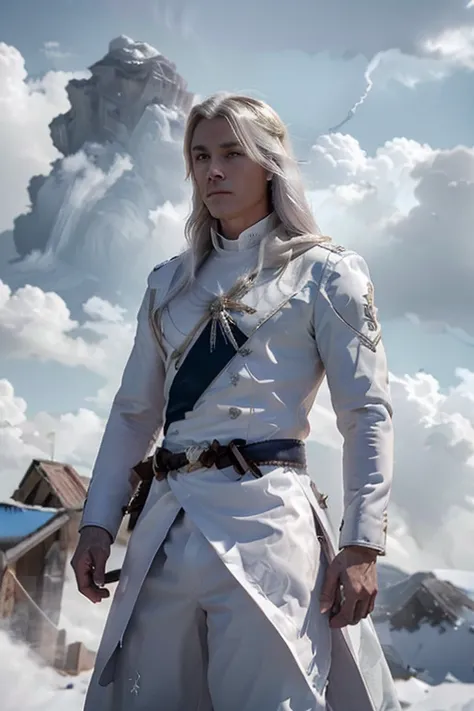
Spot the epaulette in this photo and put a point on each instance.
(334, 248)
(167, 261)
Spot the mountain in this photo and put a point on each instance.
(94, 223)
(109, 105)
(426, 625)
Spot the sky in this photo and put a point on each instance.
(395, 181)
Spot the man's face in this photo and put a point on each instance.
(231, 185)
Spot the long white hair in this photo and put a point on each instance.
(264, 137)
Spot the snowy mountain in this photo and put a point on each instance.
(94, 223)
(426, 625)
(109, 105)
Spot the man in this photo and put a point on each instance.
(226, 600)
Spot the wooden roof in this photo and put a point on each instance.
(64, 481)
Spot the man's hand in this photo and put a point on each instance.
(354, 568)
(89, 561)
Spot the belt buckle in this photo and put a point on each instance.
(193, 454)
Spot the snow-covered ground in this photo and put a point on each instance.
(42, 689)
(24, 686)
(417, 696)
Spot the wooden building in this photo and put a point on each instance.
(38, 528)
(54, 485)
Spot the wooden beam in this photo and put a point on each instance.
(32, 541)
(28, 483)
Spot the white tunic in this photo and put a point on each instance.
(317, 319)
(253, 402)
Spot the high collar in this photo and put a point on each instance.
(248, 239)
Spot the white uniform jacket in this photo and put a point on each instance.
(317, 319)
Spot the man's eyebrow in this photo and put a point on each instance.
(226, 144)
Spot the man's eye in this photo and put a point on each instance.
(201, 156)
(232, 154)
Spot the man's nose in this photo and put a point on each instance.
(215, 171)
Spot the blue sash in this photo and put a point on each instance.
(198, 370)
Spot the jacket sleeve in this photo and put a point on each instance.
(133, 426)
(348, 339)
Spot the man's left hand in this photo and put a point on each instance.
(354, 568)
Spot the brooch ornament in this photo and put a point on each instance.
(218, 311)
(220, 315)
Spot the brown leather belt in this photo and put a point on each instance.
(238, 454)
(242, 456)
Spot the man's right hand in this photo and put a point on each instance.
(88, 562)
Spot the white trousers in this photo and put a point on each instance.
(196, 641)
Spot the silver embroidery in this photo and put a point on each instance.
(370, 311)
(234, 378)
(136, 685)
(331, 247)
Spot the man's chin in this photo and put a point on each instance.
(221, 207)
(220, 214)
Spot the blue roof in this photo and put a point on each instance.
(17, 523)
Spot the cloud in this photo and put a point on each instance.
(26, 109)
(338, 159)
(431, 245)
(96, 230)
(394, 66)
(63, 202)
(454, 45)
(52, 50)
(409, 209)
(38, 325)
(402, 40)
(409, 70)
(340, 26)
(76, 438)
(104, 311)
(441, 327)
(432, 502)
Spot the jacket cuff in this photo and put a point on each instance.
(96, 525)
(364, 531)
